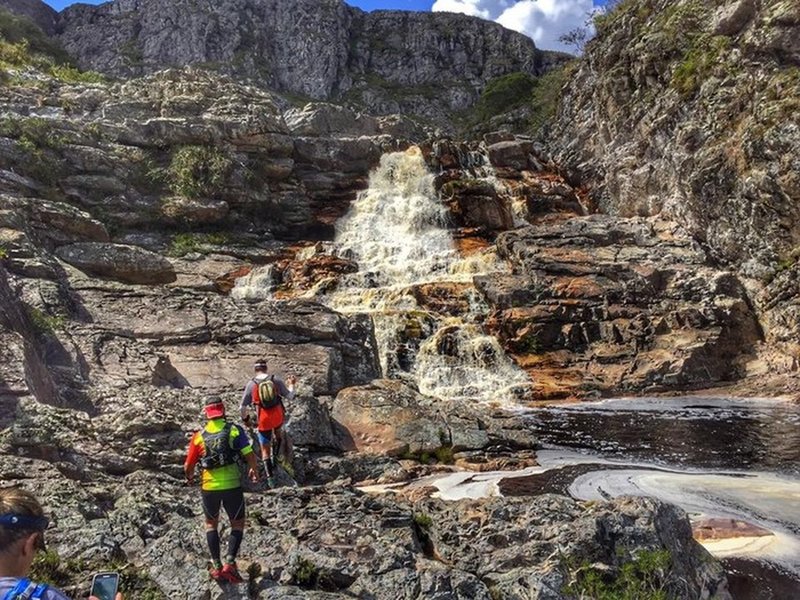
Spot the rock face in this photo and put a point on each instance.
(600, 303)
(146, 223)
(686, 110)
(390, 61)
(38, 12)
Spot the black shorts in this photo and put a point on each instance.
(232, 500)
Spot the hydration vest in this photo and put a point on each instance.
(26, 590)
(218, 451)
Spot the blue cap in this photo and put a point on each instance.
(15, 521)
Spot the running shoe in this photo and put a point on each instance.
(231, 573)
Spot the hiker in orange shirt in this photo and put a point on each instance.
(267, 393)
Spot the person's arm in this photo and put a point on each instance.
(252, 465)
(287, 390)
(192, 457)
(241, 443)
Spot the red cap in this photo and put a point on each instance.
(215, 409)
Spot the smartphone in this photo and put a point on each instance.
(105, 585)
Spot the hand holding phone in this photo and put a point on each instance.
(105, 586)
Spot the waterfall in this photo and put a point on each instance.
(396, 232)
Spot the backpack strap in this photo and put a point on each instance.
(38, 593)
(20, 591)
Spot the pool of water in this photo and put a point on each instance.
(718, 458)
(709, 433)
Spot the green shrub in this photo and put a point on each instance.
(547, 94)
(43, 323)
(3, 252)
(18, 30)
(69, 74)
(504, 93)
(197, 171)
(423, 520)
(444, 455)
(33, 132)
(137, 583)
(306, 573)
(698, 64)
(184, 243)
(47, 568)
(643, 578)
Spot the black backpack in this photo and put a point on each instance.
(218, 451)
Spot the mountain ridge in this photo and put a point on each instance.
(432, 65)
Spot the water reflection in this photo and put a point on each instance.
(709, 433)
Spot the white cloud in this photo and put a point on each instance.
(543, 20)
(475, 8)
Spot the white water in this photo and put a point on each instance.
(396, 232)
(769, 499)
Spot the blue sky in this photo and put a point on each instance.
(542, 20)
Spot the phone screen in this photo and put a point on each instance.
(104, 586)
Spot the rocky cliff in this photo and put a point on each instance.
(157, 233)
(428, 64)
(687, 110)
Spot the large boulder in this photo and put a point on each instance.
(386, 417)
(129, 264)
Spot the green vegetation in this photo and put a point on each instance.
(423, 520)
(530, 345)
(3, 252)
(43, 323)
(184, 243)
(643, 578)
(504, 93)
(781, 100)
(698, 63)
(33, 133)
(547, 95)
(34, 136)
(24, 45)
(306, 573)
(48, 568)
(787, 261)
(441, 455)
(69, 74)
(137, 583)
(197, 171)
(24, 41)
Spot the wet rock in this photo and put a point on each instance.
(475, 203)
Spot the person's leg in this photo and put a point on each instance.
(265, 439)
(211, 505)
(234, 507)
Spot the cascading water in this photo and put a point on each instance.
(396, 232)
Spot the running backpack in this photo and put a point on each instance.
(26, 590)
(267, 392)
(218, 451)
